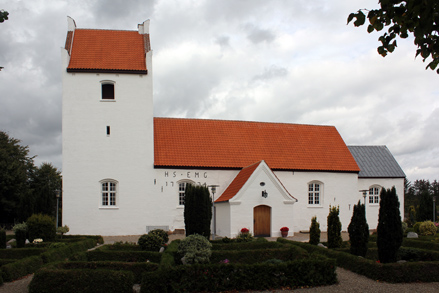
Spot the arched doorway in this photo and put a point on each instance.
(262, 221)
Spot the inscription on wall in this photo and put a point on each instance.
(170, 176)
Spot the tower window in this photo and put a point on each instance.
(108, 91)
(108, 130)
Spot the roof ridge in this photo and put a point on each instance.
(247, 121)
(107, 29)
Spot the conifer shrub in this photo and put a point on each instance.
(2, 239)
(334, 228)
(20, 231)
(412, 216)
(161, 233)
(150, 242)
(314, 231)
(244, 237)
(389, 226)
(197, 210)
(195, 249)
(359, 231)
(427, 228)
(41, 226)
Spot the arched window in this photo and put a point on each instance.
(109, 192)
(182, 189)
(315, 193)
(107, 90)
(374, 194)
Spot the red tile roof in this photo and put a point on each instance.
(238, 182)
(108, 50)
(227, 144)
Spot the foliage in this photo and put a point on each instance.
(425, 211)
(389, 226)
(63, 230)
(81, 280)
(45, 179)
(103, 254)
(3, 15)
(2, 238)
(314, 231)
(412, 216)
(359, 231)
(20, 231)
(284, 253)
(195, 249)
(416, 227)
(15, 165)
(244, 237)
(404, 227)
(428, 228)
(240, 277)
(197, 210)
(20, 268)
(41, 226)
(25, 189)
(402, 18)
(334, 228)
(150, 242)
(162, 234)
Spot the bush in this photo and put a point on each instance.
(104, 254)
(21, 268)
(359, 231)
(162, 233)
(244, 237)
(416, 227)
(428, 228)
(288, 253)
(41, 226)
(195, 249)
(20, 231)
(404, 227)
(314, 232)
(2, 238)
(334, 228)
(150, 242)
(63, 230)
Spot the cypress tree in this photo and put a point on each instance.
(314, 231)
(389, 226)
(334, 228)
(359, 231)
(197, 210)
(425, 211)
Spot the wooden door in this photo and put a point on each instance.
(262, 221)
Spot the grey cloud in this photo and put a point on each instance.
(257, 35)
(270, 72)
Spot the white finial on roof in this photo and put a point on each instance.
(71, 24)
(144, 27)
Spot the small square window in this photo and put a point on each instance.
(108, 91)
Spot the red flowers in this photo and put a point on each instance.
(284, 229)
(244, 230)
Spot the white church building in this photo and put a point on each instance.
(125, 171)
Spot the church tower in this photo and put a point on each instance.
(107, 125)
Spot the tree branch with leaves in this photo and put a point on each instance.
(402, 18)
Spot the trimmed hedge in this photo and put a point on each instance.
(136, 268)
(20, 253)
(84, 281)
(215, 278)
(258, 256)
(420, 243)
(62, 253)
(167, 259)
(29, 265)
(393, 272)
(21, 268)
(103, 254)
(247, 245)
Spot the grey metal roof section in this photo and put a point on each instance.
(376, 162)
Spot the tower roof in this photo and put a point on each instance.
(107, 51)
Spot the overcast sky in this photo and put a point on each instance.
(275, 61)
